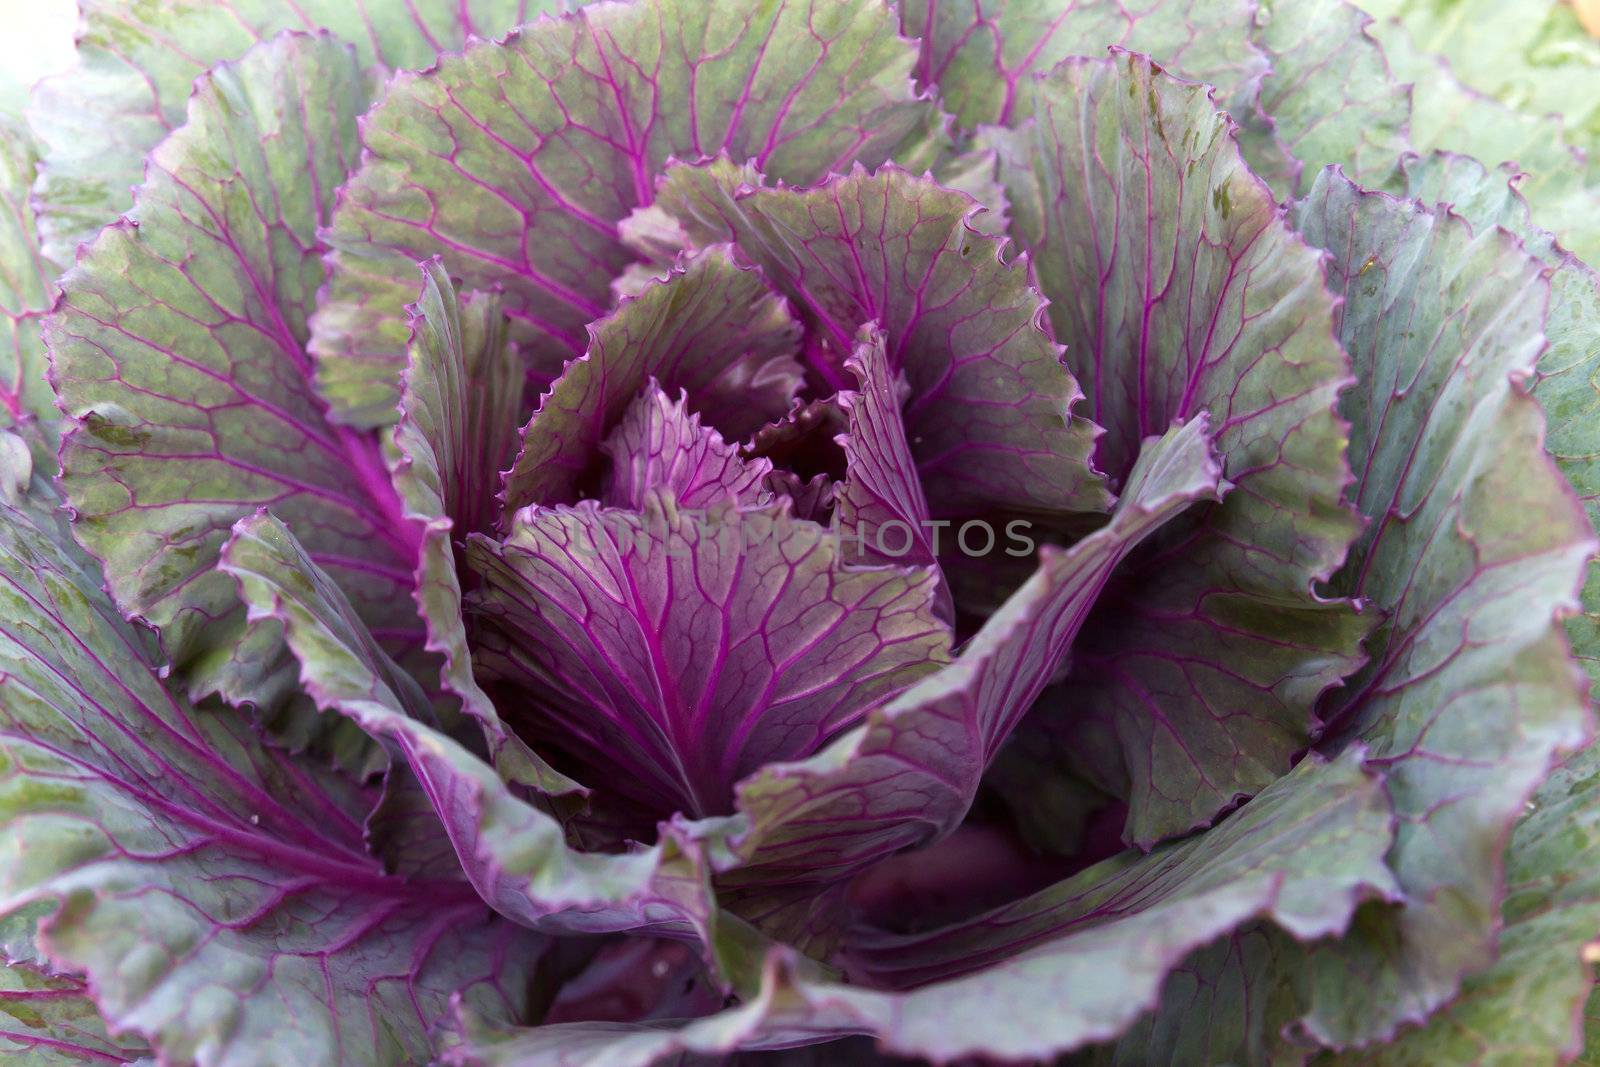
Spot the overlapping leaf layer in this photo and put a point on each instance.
(650, 530)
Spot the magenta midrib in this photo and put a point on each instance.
(191, 744)
(316, 864)
(36, 1040)
(361, 451)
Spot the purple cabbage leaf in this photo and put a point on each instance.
(661, 444)
(741, 372)
(1054, 971)
(799, 531)
(1178, 288)
(212, 888)
(511, 850)
(688, 648)
(549, 140)
(909, 773)
(957, 319)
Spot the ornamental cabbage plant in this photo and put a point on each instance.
(816, 531)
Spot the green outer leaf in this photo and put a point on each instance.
(25, 288)
(1475, 551)
(54, 1023)
(990, 409)
(517, 161)
(1565, 386)
(17, 930)
(177, 348)
(974, 173)
(460, 400)
(710, 327)
(1534, 56)
(1169, 271)
(1329, 96)
(908, 774)
(1561, 182)
(1071, 965)
(216, 892)
(459, 404)
(703, 1040)
(1178, 288)
(513, 853)
(137, 60)
(1591, 1028)
(1318, 836)
(1232, 1002)
(1301, 77)
(981, 53)
(1323, 829)
(1526, 1010)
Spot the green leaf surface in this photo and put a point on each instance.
(1534, 55)
(975, 173)
(1329, 97)
(459, 404)
(1317, 836)
(25, 284)
(1526, 1009)
(178, 351)
(138, 59)
(980, 54)
(1569, 368)
(1234, 1001)
(53, 1022)
(1591, 1028)
(1474, 552)
(908, 774)
(1178, 289)
(479, 1043)
(1561, 169)
(1073, 964)
(1302, 79)
(516, 162)
(216, 892)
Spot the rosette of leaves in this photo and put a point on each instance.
(780, 529)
